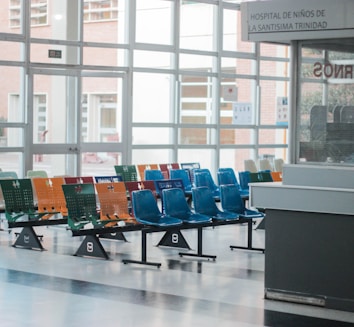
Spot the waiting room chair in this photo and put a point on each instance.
(153, 175)
(79, 180)
(204, 204)
(36, 173)
(165, 168)
(184, 176)
(231, 201)
(228, 176)
(278, 164)
(142, 167)
(82, 206)
(8, 175)
(277, 176)
(147, 212)
(265, 165)
(50, 196)
(250, 165)
(112, 197)
(176, 205)
(128, 173)
(203, 177)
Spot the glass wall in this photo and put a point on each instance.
(89, 84)
(326, 103)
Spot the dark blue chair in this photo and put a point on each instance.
(204, 203)
(228, 176)
(147, 212)
(184, 176)
(176, 205)
(202, 177)
(153, 175)
(231, 201)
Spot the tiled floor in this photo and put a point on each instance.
(57, 289)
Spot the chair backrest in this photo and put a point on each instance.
(250, 165)
(79, 180)
(244, 177)
(108, 179)
(202, 177)
(112, 197)
(153, 175)
(142, 167)
(145, 206)
(18, 198)
(226, 176)
(203, 201)
(81, 203)
(162, 185)
(175, 203)
(165, 168)
(183, 175)
(50, 195)
(277, 176)
(128, 173)
(8, 175)
(230, 199)
(36, 173)
(278, 164)
(264, 164)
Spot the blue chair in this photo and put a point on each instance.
(244, 177)
(204, 204)
(202, 177)
(8, 175)
(184, 176)
(228, 176)
(153, 175)
(176, 205)
(231, 201)
(147, 212)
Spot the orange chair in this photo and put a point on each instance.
(142, 168)
(112, 197)
(50, 196)
(277, 176)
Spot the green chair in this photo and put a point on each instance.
(128, 173)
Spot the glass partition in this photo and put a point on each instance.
(326, 102)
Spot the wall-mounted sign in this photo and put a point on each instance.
(282, 111)
(54, 54)
(242, 113)
(229, 93)
(281, 20)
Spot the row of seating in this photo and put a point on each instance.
(95, 209)
(265, 164)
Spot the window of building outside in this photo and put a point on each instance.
(326, 106)
(196, 94)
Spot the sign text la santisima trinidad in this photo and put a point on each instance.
(299, 20)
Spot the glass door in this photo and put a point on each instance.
(77, 122)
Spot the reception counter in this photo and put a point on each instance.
(309, 244)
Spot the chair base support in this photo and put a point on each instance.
(174, 239)
(28, 239)
(249, 239)
(207, 256)
(148, 263)
(92, 247)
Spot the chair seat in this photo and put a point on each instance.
(195, 218)
(224, 215)
(161, 221)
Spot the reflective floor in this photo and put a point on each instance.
(55, 288)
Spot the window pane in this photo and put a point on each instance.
(152, 135)
(153, 21)
(152, 59)
(53, 115)
(11, 162)
(151, 97)
(55, 54)
(103, 56)
(151, 156)
(13, 51)
(12, 108)
(204, 156)
(197, 36)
